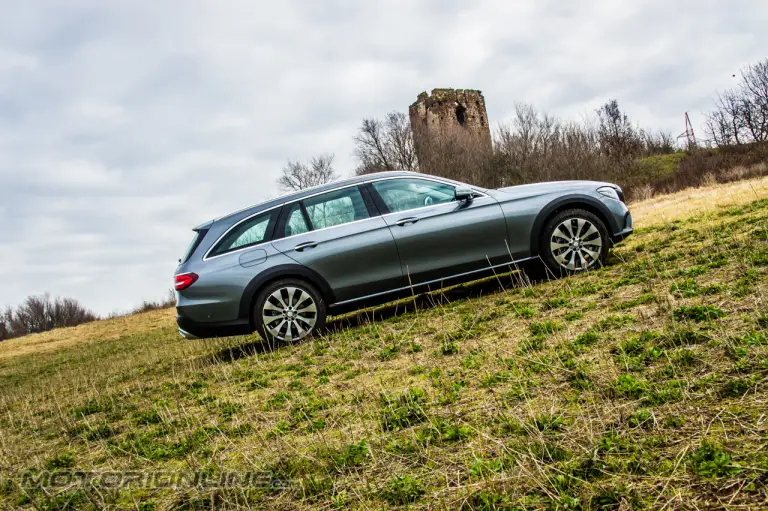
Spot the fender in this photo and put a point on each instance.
(576, 199)
(283, 271)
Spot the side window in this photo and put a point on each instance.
(249, 232)
(295, 224)
(404, 194)
(336, 208)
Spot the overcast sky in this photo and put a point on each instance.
(123, 124)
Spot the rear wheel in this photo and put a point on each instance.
(572, 241)
(289, 310)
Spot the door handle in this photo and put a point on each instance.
(406, 221)
(308, 244)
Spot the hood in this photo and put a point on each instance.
(552, 186)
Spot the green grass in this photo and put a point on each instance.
(657, 167)
(637, 386)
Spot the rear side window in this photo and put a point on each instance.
(250, 232)
(199, 235)
(336, 208)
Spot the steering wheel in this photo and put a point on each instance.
(428, 200)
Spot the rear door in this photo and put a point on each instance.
(437, 236)
(340, 235)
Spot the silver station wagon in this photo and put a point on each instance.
(282, 266)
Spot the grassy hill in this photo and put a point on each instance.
(638, 386)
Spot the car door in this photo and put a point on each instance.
(436, 235)
(343, 238)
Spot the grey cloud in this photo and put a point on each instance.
(124, 124)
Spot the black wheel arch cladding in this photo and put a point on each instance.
(576, 201)
(287, 271)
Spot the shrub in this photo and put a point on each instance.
(587, 338)
(151, 305)
(628, 386)
(698, 313)
(736, 387)
(404, 410)
(641, 419)
(449, 348)
(544, 328)
(401, 490)
(710, 460)
(352, 455)
(42, 313)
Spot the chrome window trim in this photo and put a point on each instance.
(326, 228)
(208, 257)
(429, 178)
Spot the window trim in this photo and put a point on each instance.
(282, 221)
(375, 210)
(386, 212)
(268, 234)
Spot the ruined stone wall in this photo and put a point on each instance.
(449, 117)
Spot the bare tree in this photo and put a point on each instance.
(754, 91)
(42, 313)
(618, 139)
(385, 145)
(741, 114)
(725, 124)
(297, 175)
(5, 330)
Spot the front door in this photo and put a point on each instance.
(344, 240)
(436, 235)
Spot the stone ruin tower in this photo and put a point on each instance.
(452, 120)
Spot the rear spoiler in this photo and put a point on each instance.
(204, 226)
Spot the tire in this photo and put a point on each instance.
(572, 241)
(288, 310)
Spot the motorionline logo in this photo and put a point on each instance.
(151, 479)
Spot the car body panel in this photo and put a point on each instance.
(252, 257)
(216, 294)
(447, 239)
(355, 259)
(375, 258)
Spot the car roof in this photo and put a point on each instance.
(292, 196)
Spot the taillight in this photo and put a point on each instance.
(184, 280)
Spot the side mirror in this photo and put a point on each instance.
(462, 193)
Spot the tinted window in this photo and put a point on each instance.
(199, 235)
(336, 208)
(295, 224)
(250, 232)
(404, 194)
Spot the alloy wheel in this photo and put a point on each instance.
(289, 314)
(576, 244)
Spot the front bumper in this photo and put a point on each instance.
(187, 335)
(628, 229)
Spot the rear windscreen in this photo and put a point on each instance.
(199, 235)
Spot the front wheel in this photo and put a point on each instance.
(289, 310)
(573, 241)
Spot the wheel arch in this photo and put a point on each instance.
(585, 202)
(286, 271)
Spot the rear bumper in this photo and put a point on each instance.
(193, 330)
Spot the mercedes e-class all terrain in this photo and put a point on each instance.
(282, 266)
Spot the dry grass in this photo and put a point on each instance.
(639, 386)
(688, 202)
(100, 331)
